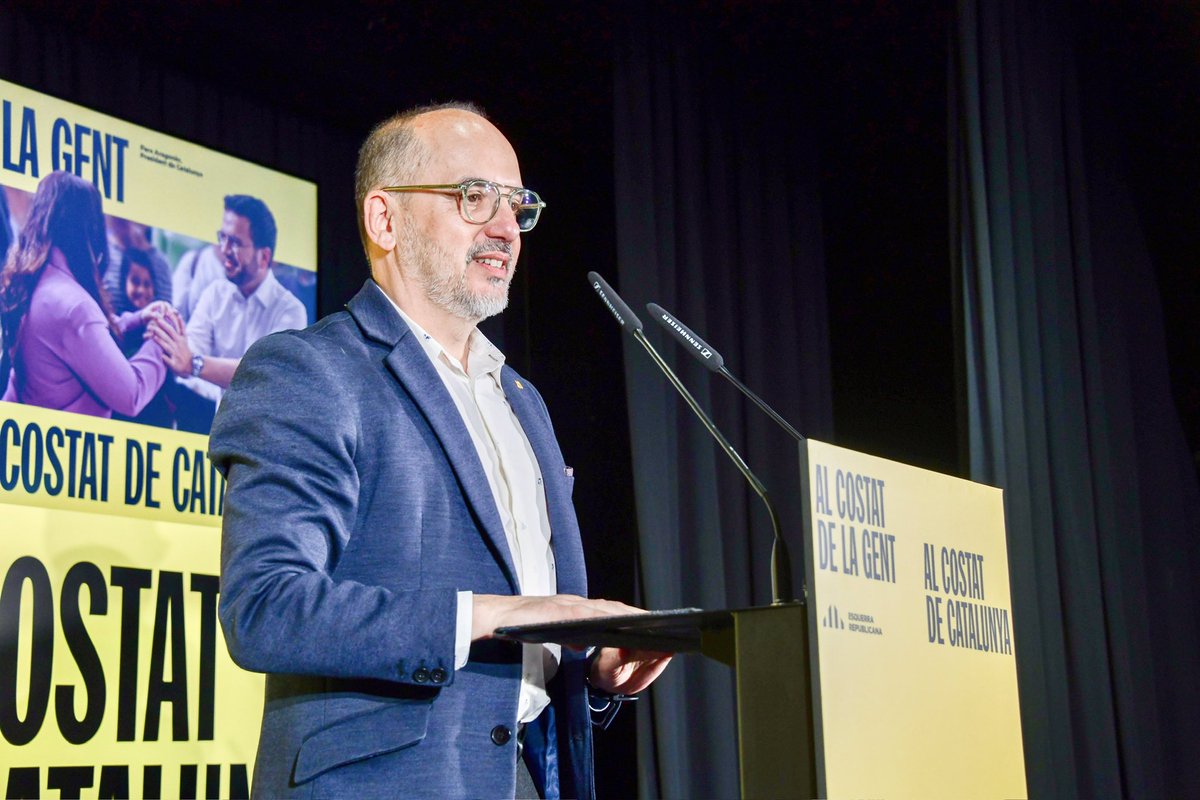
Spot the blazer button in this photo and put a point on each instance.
(501, 735)
(438, 675)
(421, 675)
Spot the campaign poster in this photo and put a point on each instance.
(138, 268)
(911, 619)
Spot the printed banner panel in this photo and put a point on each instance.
(138, 268)
(116, 680)
(908, 573)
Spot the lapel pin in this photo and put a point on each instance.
(519, 384)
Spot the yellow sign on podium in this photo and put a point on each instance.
(910, 613)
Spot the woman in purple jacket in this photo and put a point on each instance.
(59, 334)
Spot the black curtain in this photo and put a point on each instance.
(718, 221)
(121, 82)
(1070, 412)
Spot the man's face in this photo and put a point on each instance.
(244, 263)
(465, 268)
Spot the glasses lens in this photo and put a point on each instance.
(225, 240)
(527, 207)
(480, 200)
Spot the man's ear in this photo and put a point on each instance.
(379, 220)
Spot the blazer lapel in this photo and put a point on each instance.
(564, 527)
(410, 365)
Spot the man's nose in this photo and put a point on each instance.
(504, 225)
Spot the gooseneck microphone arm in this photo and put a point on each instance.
(710, 358)
(781, 567)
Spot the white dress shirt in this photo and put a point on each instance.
(225, 322)
(515, 479)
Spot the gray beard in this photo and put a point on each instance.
(448, 289)
(450, 292)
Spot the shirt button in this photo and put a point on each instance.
(438, 675)
(501, 735)
(421, 675)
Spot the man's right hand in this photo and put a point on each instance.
(491, 611)
(168, 330)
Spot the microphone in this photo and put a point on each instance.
(706, 355)
(624, 314)
(781, 566)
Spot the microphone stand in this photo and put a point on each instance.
(781, 565)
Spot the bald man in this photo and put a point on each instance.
(396, 493)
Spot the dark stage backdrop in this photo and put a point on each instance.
(1070, 412)
(720, 223)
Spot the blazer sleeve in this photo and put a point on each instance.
(285, 438)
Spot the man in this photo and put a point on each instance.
(396, 493)
(231, 314)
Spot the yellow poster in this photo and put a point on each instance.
(116, 681)
(137, 269)
(909, 600)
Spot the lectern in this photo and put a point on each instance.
(767, 647)
(896, 677)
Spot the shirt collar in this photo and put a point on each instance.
(266, 291)
(483, 357)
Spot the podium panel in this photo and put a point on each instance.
(774, 720)
(910, 631)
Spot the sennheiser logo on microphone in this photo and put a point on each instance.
(704, 351)
(604, 297)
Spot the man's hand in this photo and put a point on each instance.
(491, 611)
(169, 331)
(614, 669)
(617, 670)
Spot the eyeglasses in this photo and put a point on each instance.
(479, 200)
(224, 239)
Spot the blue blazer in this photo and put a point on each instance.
(356, 509)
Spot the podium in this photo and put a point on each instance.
(896, 677)
(767, 647)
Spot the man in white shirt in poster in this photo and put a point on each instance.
(230, 314)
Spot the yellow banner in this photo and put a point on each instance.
(909, 593)
(119, 684)
(75, 462)
(146, 176)
(114, 676)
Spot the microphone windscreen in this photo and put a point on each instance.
(685, 336)
(625, 316)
